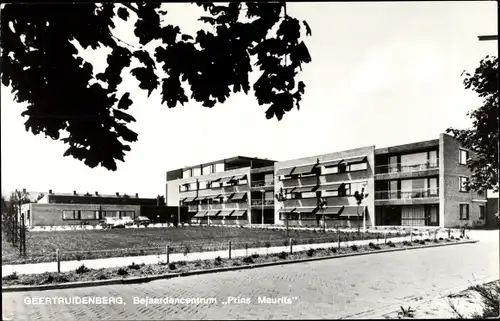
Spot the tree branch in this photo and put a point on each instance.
(128, 5)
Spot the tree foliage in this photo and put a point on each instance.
(43, 67)
(482, 138)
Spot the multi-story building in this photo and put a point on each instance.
(236, 190)
(419, 184)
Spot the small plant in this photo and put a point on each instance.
(236, 263)
(171, 266)
(314, 231)
(406, 243)
(427, 240)
(134, 266)
(248, 259)
(406, 313)
(186, 250)
(218, 261)
(285, 243)
(310, 252)
(294, 242)
(309, 241)
(82, 269)
(435, 241)
(422, 242)
(354, 248)
(452, 237)
(282, 255)
(181, 263)
(121, 271)
(390, 244)
(440, 238)
(373, 246)
(255, 255)
(197, 264)
(267, 244)
(11, 277)
(102, 277)
(79, 257)
(333, 250)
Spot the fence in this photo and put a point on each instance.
(14, 230)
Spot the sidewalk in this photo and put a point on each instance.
(66, 266)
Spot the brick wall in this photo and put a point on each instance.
(450, 195)
(52, 214)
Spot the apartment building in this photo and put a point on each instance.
(233, 191)
(419, 184)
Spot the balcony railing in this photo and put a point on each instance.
(394, 195)
(402, 168)
(259, 202)
(262, 183)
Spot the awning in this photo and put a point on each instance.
(238, 196)
(238, 177)
(226, 179)
(352, 211)
(300, 189)
(289, 211)
(284, 171)
(212, 213)
(355, 160)
(332, 163)
(329, 211)
(239, 213)
(183, 199)
(200, 214)
(189, 199)
(215, 180)
(307, 169)
(304, 210)
(331, 187)
(226, 212)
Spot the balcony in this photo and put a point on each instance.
(258, 202)
(402, 168)
(262, 184)
(420, 193)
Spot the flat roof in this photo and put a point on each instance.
(230, 160)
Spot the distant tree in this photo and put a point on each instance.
(482, 138)
(360, 196)
(42, 66)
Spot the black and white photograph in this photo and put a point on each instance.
(249, 160)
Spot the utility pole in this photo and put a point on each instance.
(281, 197)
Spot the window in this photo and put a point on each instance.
(482, 212)
(330, 170)
(197, 171)
(358, 187)
(71, 215)
(330, 193)
(358, 167)
(242, 181)
(393, 164)
(464, 155)
(309, 195)
(87, 215)
(290, 216)
(464, 211)
(127, 213)
(183, 188)
(462, 182)
(291, 196)
(215, 185)
(432, 158)
(345, 190)
(203, 185)
(207, 169)
(192, 186)
(341, 168)
(186, 173)
(218, 167)
(433, 186)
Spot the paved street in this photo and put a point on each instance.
(323, 289)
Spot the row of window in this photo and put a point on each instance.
(199, 171)
(332, 169)
(217, 200)
(210, 185)
(345, 189)
(94, 215)
(464, 212)
(311, 217)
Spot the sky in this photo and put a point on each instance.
(381, 74)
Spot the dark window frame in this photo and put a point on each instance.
(467, 212)
(461, 186)
(482, 212)
(71, 219)
(460, 160)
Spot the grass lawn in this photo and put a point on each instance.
(80, 245)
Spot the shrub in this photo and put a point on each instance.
(283, 255)
(333, 250)
(57, 279)
(406, 243)
(422, 242)
(440, 238)
(186, 250)
(82, 269)
(448, 240)
(248, 259)
(354, 247)
(171, 266)
(134, 266)
(267, 244)
(102, 277)
(121, 271)
(435, 241)
(294, 242)
(218, 260)
(490, 297)
(285, 243)
(182, 263)
(11, 277)
(427, 240)
(197, 263)
(309, 241)
(416, 241)
(452, 237)
(374, 246)
(314, 231)
(390, 244)
(236, 263)
(255, 255)
(79, 257)
(310, 252)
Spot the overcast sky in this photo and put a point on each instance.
(381, 74)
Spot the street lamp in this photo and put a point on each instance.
(322, 205)
(263, 193)
(281, 197)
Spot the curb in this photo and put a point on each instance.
(134, 280)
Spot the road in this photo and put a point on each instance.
(335, 288)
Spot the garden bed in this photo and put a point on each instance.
(162, 268)
(86, 245)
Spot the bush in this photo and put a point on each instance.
(309, 241)
(354, 247)
(406, 243)
(294, 242)
(390, 244)
(134, 266)
(440, 238)
(435, 241)
(427, 240)
(218, 261)
(236, 263)
(197, 263)
(121, 271)
(285, 243)
(310, 252)
(57, 279)
(186, 250)
(416, 241)
(452, 237)
(283, 255)
(255, 255)
(333, 250)
(102, 277)
(248, 259)
(171, 266)
(373, 246)
(422, 242)
(490, 297)
(182, 263)
(267, 244)
(82, 269)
